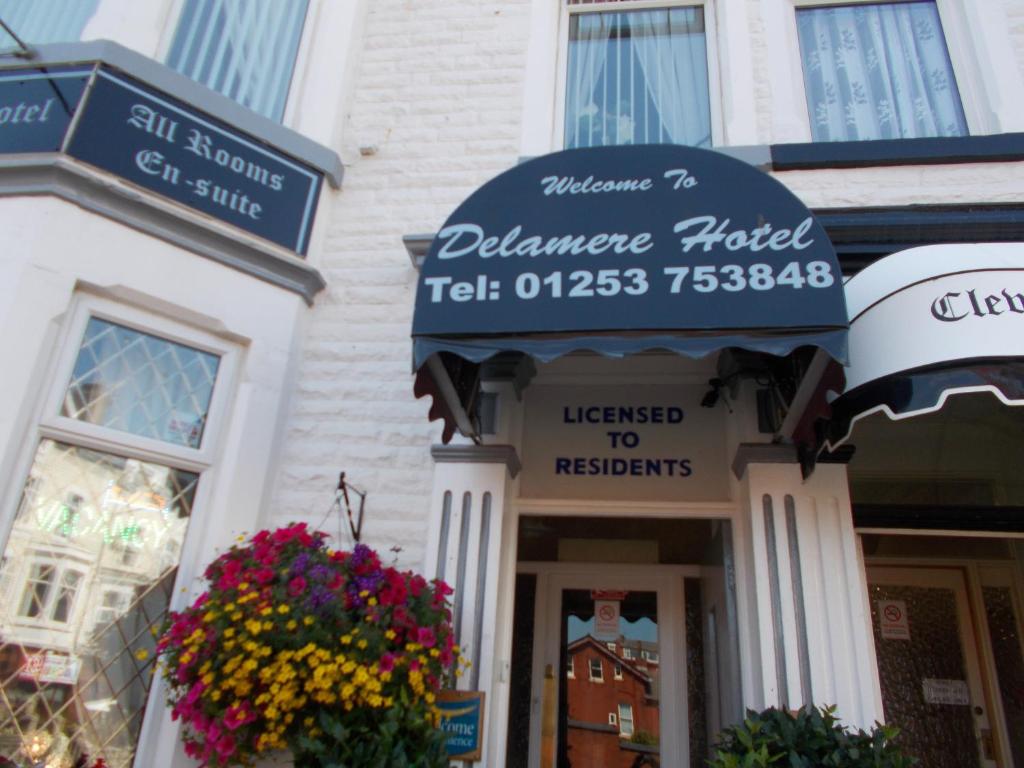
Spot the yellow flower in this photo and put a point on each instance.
(142, 654)
(291, 625)
(283, 608)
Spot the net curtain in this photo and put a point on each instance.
(878, 72)
(639, 77)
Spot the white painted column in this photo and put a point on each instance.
(807, 636)
(471, 486)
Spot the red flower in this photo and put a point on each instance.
(296, 586)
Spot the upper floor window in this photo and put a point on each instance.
(636, 76)
(878, 71)
(596, 670)
(44, 21)
(243, 49)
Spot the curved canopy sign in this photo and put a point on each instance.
(656, 238)
(622, 249)
(931, 322)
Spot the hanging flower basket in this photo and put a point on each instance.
(325, 653)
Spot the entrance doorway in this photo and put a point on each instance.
(624, 646)
(949, 661)
(610, 672)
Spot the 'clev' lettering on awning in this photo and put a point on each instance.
(616, 251)
(932, 322)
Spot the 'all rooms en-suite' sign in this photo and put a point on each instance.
(643, 443)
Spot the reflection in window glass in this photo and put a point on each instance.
(137, 383)
(45, 21)
(878, 72)
(639, 77)
(76, 655)
(626, 719)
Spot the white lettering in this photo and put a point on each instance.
(458, 240)
(562, 185)
(712, 232)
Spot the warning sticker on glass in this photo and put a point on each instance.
(892, 620)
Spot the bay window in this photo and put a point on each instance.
(636, 74)
(113, 474)
(878, 71)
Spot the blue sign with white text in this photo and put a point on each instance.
(651, 238)
(36, 108)
(167, 147)
(462, 719)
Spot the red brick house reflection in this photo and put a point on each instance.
(612, 695)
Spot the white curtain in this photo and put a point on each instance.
(241, 48)
(45, 21)
(587, 53)
(878, 72)
(675, 69)
(638, 77)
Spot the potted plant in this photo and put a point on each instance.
(325, 653)
(808, 738)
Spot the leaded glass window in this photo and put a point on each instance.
(131, 381)
(76, 654)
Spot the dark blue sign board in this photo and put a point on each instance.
(462, 719)
(161, 144)
(652, 239)
(36, 107)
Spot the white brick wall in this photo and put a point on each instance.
(439, 94)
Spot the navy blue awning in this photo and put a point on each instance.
(616, 251)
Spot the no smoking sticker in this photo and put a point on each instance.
(606, 619)
(892, 620)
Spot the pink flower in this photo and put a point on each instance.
(238, 716)
(296, 586)
(425, 637)
(225, 746)
(387, 662)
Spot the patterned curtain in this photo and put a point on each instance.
(878, 72)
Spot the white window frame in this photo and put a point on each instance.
(61, 567)
(711, 43)
(599, 678)
(623, 720)
(959, 27)
(613, 719)
(66, 429)
(45, 422)
(125, 594)
(617, 670)
(570, 668)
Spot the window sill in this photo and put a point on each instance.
(996, 148)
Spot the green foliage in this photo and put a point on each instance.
(400, 737)
(810, 738)
(643, 737)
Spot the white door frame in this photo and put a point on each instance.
(667, 582)
(954, 579)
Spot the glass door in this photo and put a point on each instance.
(612, 685)
(928, 665)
